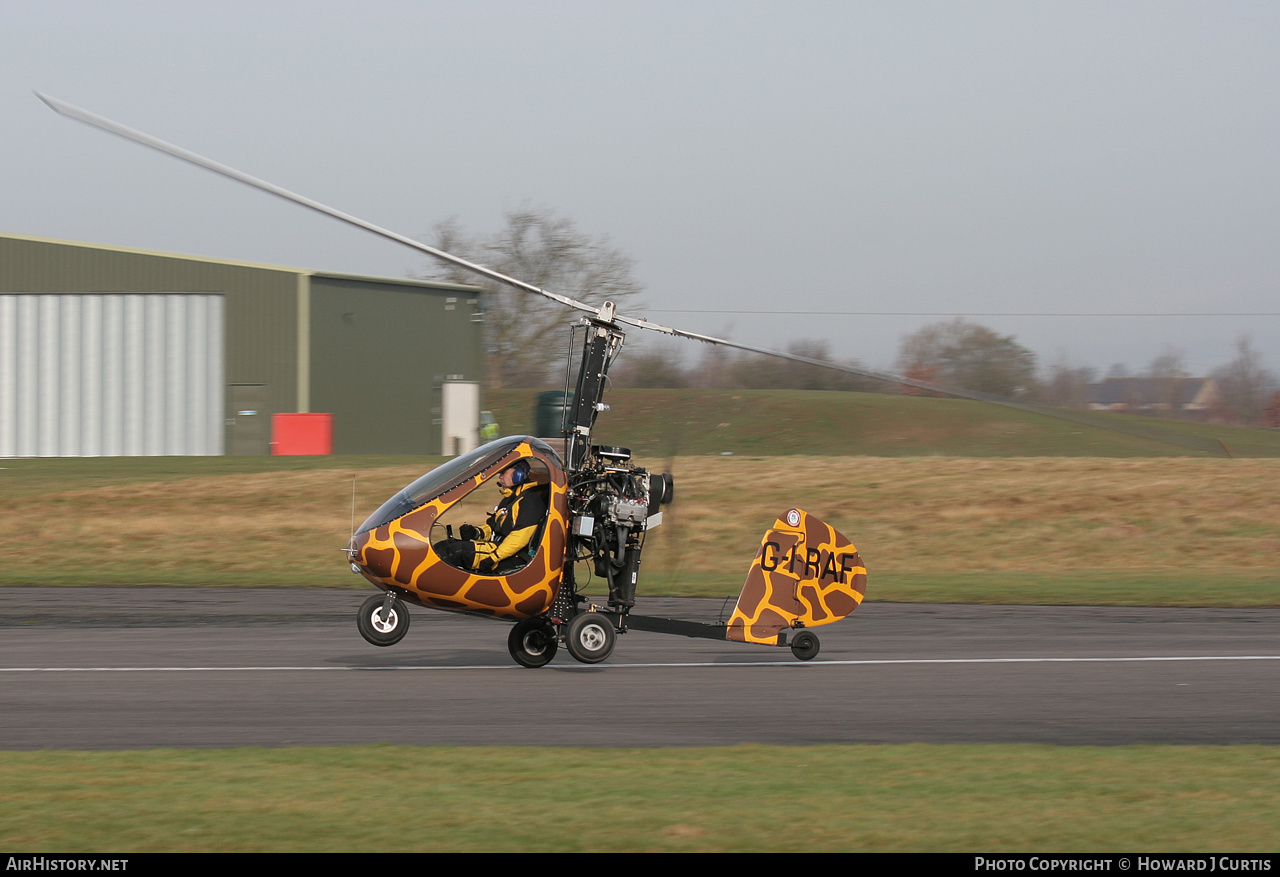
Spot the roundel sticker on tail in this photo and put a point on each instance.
(805, 574)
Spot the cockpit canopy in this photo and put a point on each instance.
(442, 478)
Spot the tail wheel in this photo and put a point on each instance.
(532, 642)
(805, 646)
(383, 628)
(590, 637)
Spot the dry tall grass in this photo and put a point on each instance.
(935, 515)
(978, 515)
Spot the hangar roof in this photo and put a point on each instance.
(403, 281)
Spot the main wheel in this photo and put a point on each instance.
(590, 637)
(532, 642)
(805, 646)
(383, 629)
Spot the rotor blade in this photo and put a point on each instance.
(1086, 418)
(116, 128)
(605, 313)
(763, 351)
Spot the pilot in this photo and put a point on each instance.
(500, 546)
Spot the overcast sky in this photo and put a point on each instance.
(924, 159)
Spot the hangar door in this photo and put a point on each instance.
(111, 375)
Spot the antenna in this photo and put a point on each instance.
(349, 551)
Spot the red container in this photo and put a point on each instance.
(298, 434)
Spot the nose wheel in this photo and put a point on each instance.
(383, 620)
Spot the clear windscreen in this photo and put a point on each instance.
(439, 480)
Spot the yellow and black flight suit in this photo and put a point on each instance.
(502, 544)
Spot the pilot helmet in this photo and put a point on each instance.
(520, 472)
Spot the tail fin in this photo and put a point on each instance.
(805, 574)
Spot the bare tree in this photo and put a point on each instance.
(715, 368)
(1167, 373)
(721, 368)
(1066, 386)
(1245, 384)
(652, 366)
(524, 340)
(798, 376)
(969, 356)
(1271, 417)
(1169, 364)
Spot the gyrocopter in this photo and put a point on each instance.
(590, 503)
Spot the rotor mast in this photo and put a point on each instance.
(602, 343)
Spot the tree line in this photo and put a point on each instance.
(526, 337)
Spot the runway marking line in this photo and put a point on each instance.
(790, 663)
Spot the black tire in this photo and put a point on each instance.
(590, 637)
(378, 631)
(532, 642)
(805, 646)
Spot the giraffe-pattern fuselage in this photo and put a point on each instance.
(398, 554)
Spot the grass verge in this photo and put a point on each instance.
(658, 424)
(748, 798)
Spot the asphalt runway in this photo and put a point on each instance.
(120, 668)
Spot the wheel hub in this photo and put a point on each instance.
(592, 637)
(381, 625)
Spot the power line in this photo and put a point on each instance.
(952, 314)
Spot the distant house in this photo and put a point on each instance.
(1181, 398)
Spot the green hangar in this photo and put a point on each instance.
(106, 351)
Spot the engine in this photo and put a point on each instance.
(613, 505)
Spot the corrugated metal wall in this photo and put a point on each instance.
(372, 352)
(111, 375)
